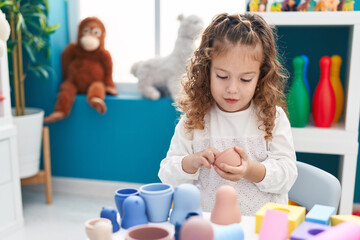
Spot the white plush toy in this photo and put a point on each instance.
(4, 33)
(162, 74)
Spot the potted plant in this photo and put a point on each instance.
(28, 49)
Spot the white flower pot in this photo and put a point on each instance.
(29, 135)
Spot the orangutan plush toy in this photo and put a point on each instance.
(87, 69)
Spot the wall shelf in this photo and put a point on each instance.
(332, 141)
(311, 18)
(341, 138)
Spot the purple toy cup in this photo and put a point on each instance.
(121, 194)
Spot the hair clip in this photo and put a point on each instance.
(245, 22)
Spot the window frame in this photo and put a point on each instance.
(73, 9)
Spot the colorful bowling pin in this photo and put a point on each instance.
(337, 86)
(323, 104)
(312, 5)
(298, 100)
(306, 64)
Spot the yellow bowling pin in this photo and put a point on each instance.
(337, 86)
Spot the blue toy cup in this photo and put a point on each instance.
(158, 198)
(121, 194)
(230, 232)
(134, 212)
(111, 214)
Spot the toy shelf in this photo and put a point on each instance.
(341, 138)
(334, 140)
(311, 18)
(5, 106)
(11, 217)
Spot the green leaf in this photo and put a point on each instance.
(47, 5)
(41, 8)
(5, 3)
(15, 9)
(31, 18)
(33, 14)
(51, 29)
(29, 52)
(41, 71)
(20, 22)
(39, 43)
(34, 25)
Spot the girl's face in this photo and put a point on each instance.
(233, 77)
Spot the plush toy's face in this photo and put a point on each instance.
(91, 35)
(190, 26)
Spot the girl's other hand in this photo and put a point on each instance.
(191, 163)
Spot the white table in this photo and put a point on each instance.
(247, 223)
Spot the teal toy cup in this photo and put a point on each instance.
(121, 194)
(158, 198)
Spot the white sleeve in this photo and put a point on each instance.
(281, 171)
(171, 171)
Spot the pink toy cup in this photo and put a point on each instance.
(196, 228)
(145, 232)
(226, 210)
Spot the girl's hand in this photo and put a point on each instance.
(250, 170)
(191, 163)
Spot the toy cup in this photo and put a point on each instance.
(229, 232)
(134, 212)
(145, 232)
(158, 198)
(120, 196)
(187, 201)
(226, 210)
(99, 229)
(111, 214)
(228, 156)
(196, 228)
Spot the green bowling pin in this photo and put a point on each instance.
(298, 99)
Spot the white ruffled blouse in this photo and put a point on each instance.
(223, 130)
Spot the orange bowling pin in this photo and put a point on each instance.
(337, 85)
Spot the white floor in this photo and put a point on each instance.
(64, 219)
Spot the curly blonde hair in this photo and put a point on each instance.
(195, 99)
